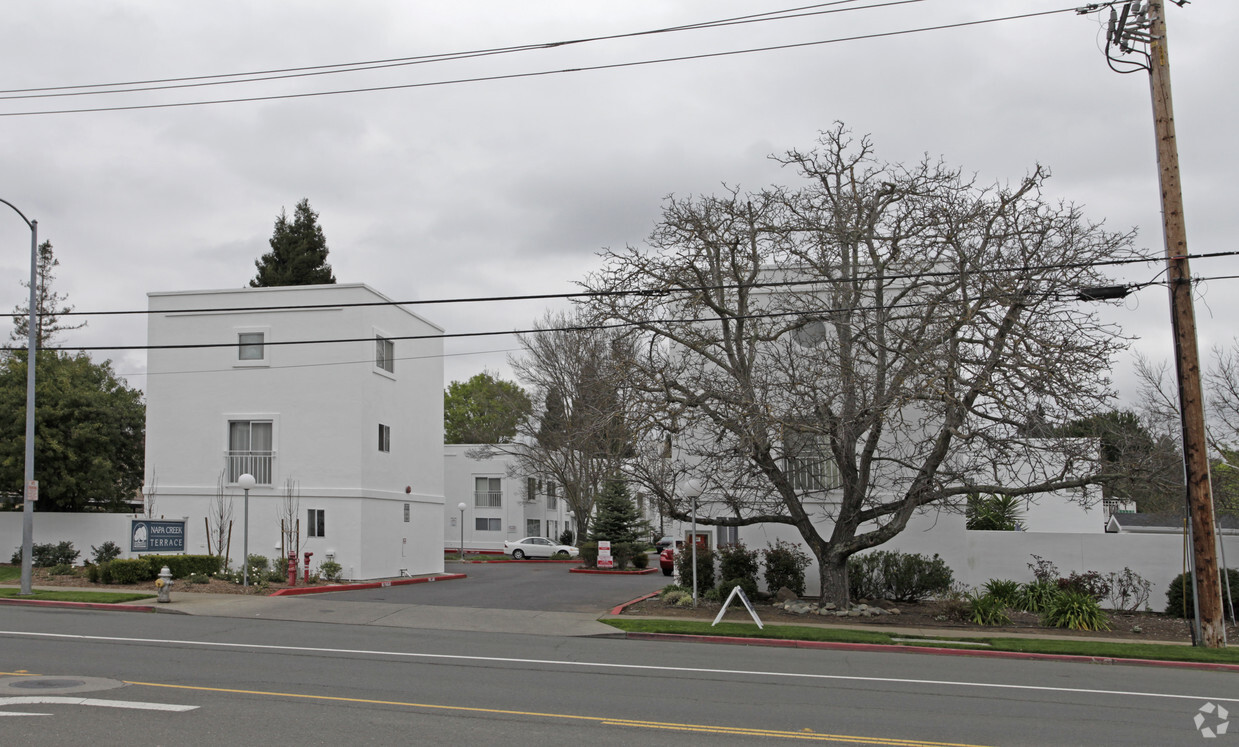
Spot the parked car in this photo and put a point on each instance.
(666, 560)
(664, 542)
(539, 547)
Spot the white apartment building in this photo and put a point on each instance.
(329, 395)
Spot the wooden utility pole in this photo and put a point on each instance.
(1187, 357)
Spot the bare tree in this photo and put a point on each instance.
(290, 513)
(149, 492)
(837, 356)
(219, 519)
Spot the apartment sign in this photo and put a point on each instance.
(157, 536)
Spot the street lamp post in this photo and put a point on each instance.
(31, 487)
(246, 482)
(462, 508)
(694, 489)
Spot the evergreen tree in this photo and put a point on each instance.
(617, 518)
(554, 423)
(298, 253)
(50, 304)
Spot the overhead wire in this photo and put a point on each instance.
(536, 74)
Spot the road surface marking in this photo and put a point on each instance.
(62, 700)
(629, 667)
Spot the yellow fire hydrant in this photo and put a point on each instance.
(164, 585)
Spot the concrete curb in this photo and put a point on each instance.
(888, 648)
(297, 591)
(116, 606)
(602, 572)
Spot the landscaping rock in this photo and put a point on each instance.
(785, 594)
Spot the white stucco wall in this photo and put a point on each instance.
(325, 401)
(459, 473)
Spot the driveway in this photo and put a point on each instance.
(534, 586)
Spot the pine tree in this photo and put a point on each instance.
(617, 518)
(50, 304)
(298, 253)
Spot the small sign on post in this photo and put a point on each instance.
(32, 491)
(604, 554)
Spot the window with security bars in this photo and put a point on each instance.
(249, 450)
(488, 492)
(808, 463)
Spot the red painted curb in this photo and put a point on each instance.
(79, 605)
(620, 609)
(886, 648)
(613, 573)
(297, 591)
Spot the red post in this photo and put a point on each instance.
(307, 566)
(292, 567)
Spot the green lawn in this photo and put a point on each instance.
(1068, 646)
(10, 572)
(102, 597)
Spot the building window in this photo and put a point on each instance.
(384, 354)
(531, 489)
(406, 514)
(249, 450)
(316, 522)
(384, 437)
(487, 492)
(533, 528)
(250, 346)
(488, 525)
(551, 527)
(808, 463)
(552, 499)
(728, 536)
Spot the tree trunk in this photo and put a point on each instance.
(834, 581)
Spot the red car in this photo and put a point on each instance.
(666, 560)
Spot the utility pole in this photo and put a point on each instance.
(1140, 24)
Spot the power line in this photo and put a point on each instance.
(197, 81)
(603, 294)
(537, 74)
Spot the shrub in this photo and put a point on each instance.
(747, 584)
(712, 595)
(565, 537)
(105, 572)
(897, 576)
(61, 570)
(622, 552)
(92, 573)
(670, 590)
(258, 563)
(1091, 583)
(1042, 569)
(331, 570)
(198, 578)
(129, 571)
(1075, 610)
(988, 609)
(182, 566)
(1006, 592)
(641, 559)
(736, 561)
(785, 565)
(705, 567)
(103, 553)
(1129, 592)
(589, 554)
(1181, 595)
(47, 555)
(1036, 596)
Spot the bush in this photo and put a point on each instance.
(182, 566)
(1129, 591)
(1006, 592)
(622, 553)
(1036, 596)
(988, 609)
(1075, 610)
(103, 553)
(128, 571)
(1177, 600)
(61, 570)
(785, 565)
(92, 573)
(48, 555)
(1042, 569)
(565, 537)
(589, 554)
(747, 584)
(641, 559)
(258, 564)
(705, 567)
(671, 590)
(1091, 583)
(897, 576)
(735, 561)
(331, 570)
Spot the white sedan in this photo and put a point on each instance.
(539, 547)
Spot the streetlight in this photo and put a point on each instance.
(246, 482)
(32, 347)
(462, 508)
(693, 488)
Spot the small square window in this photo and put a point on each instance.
(250, 346)
(384, 437)
(316, 522)
(406, 513)
(384, 354)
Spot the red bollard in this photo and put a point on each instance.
(307, 566)
(292, 567)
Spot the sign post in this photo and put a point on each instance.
(604, 554)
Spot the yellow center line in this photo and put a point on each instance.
(605, 721)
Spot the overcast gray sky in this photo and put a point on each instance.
(511, 185)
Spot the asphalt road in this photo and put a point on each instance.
(518, 586)
(278, 682)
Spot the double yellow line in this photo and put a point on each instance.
(694, 728)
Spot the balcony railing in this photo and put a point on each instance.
(488, 499)
(257, 463)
